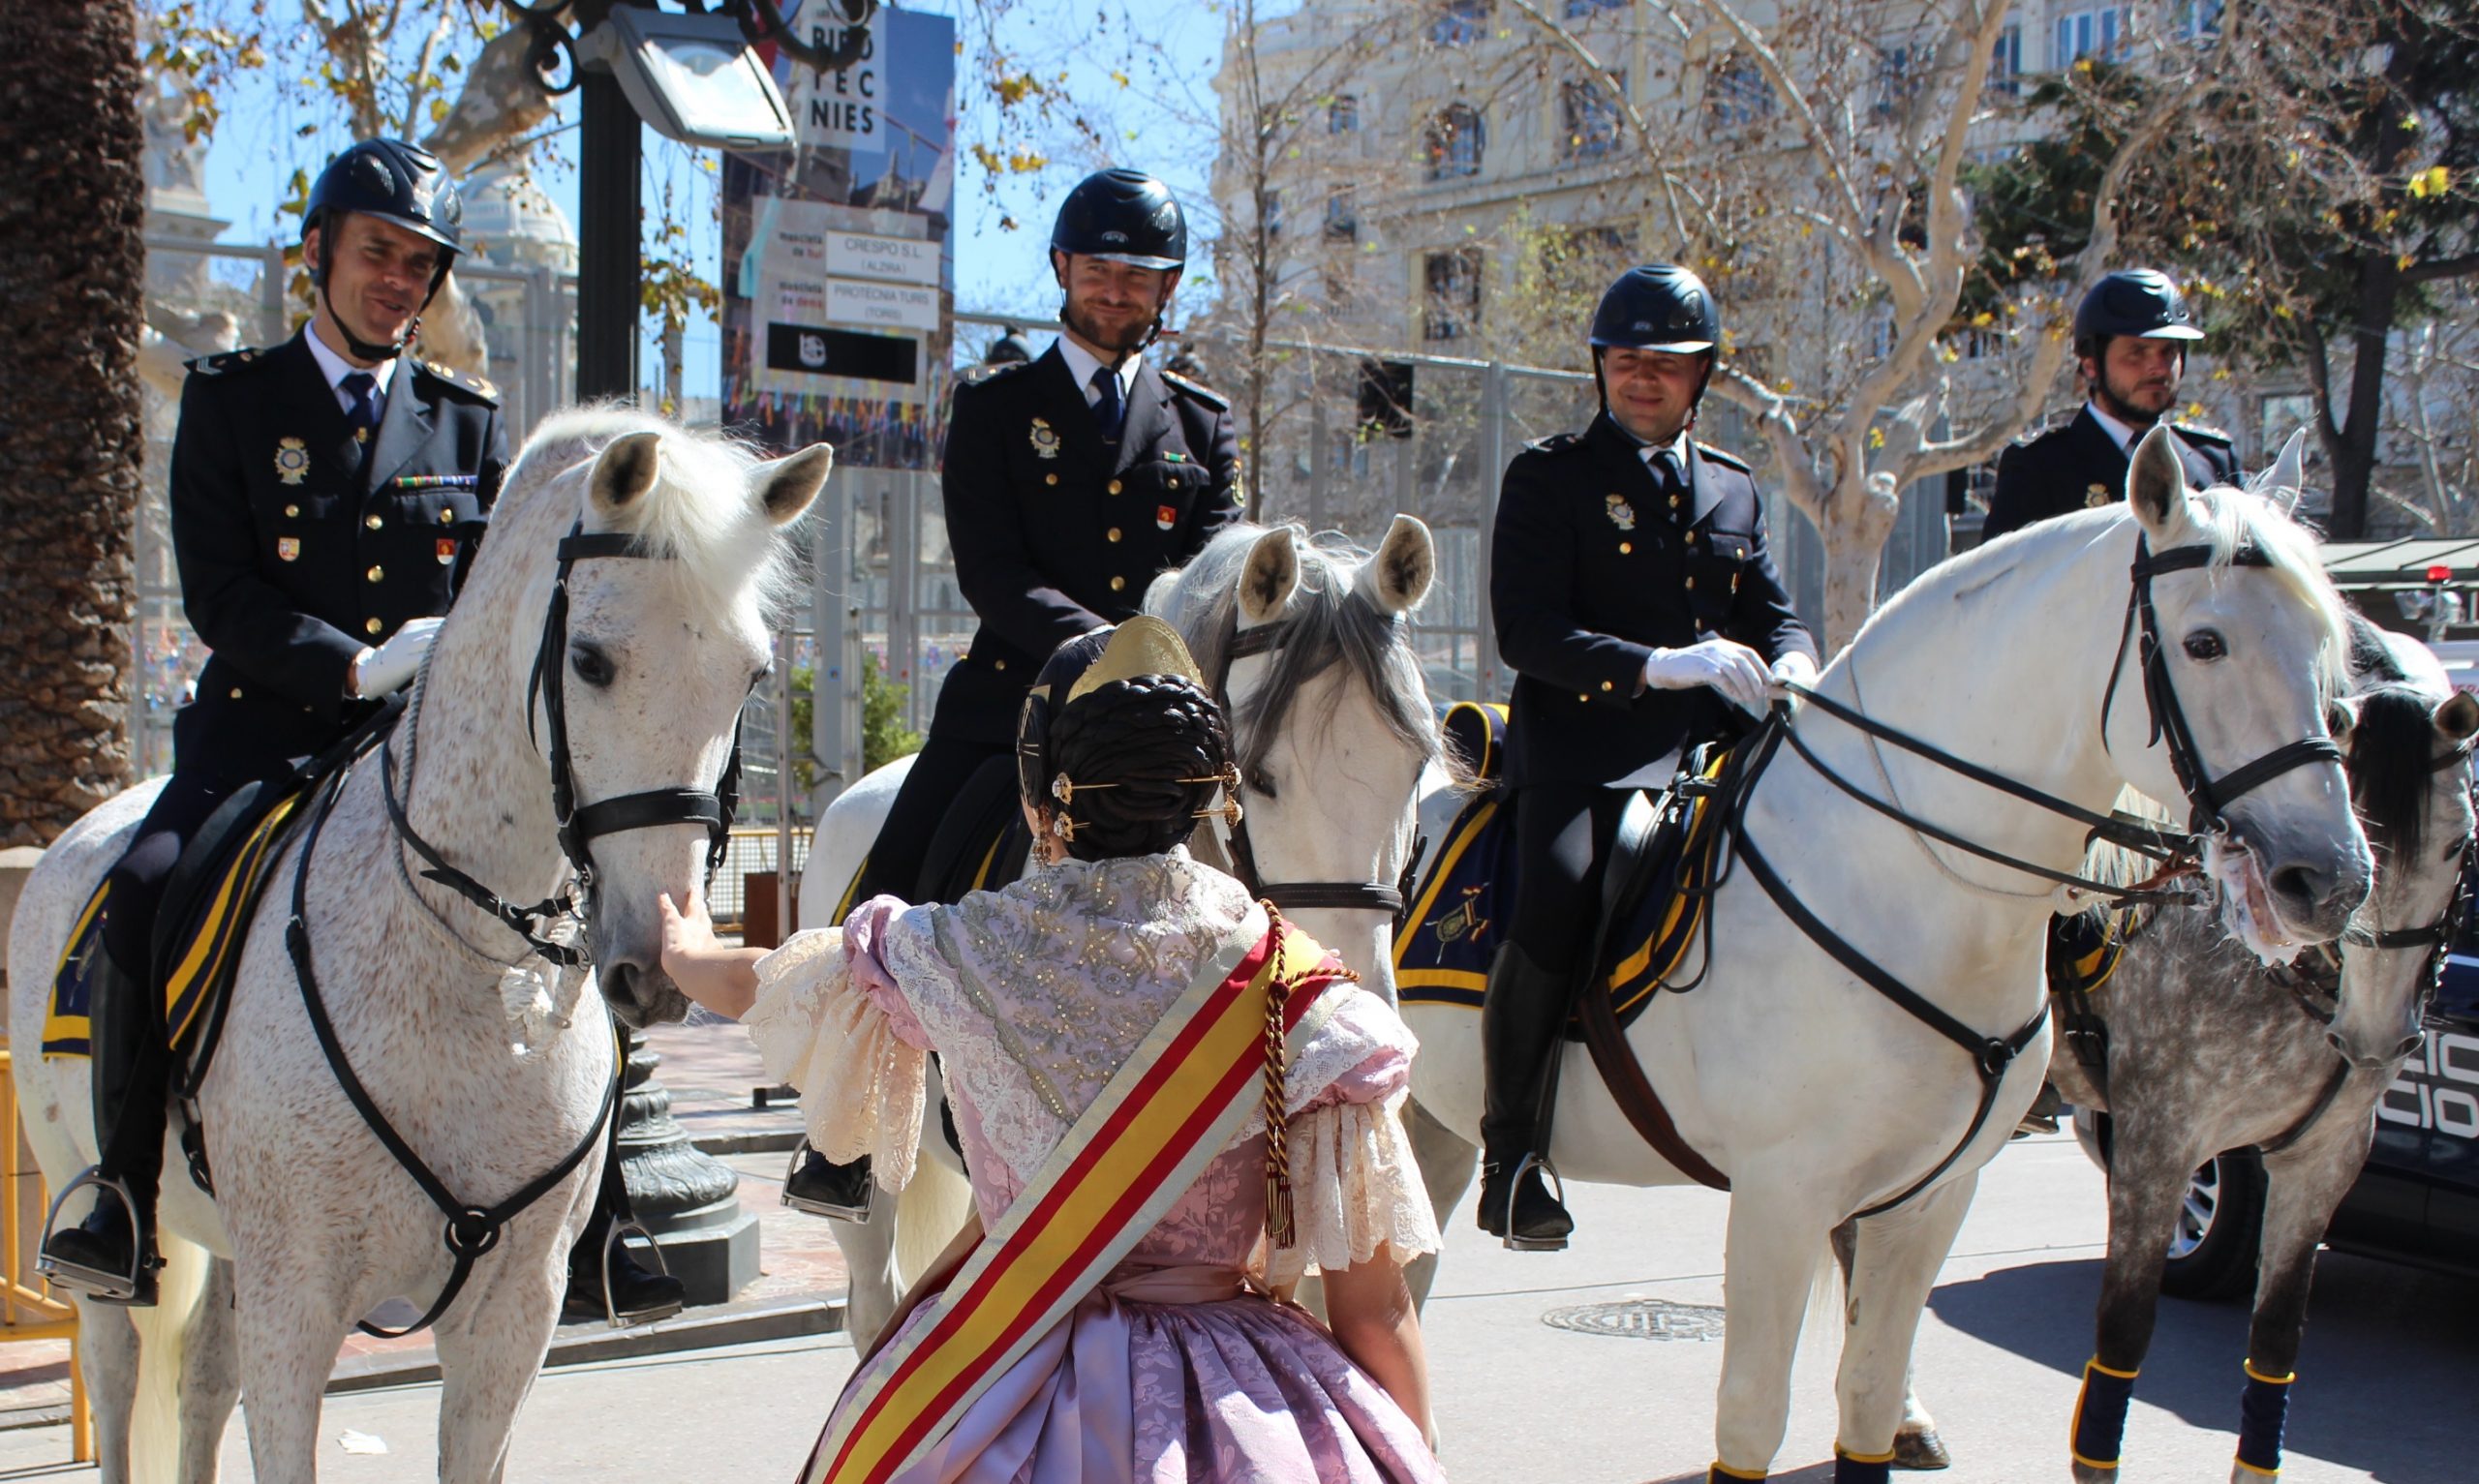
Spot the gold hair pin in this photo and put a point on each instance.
(1228, 811)
(1064, 788)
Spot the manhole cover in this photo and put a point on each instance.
(1641, 1318)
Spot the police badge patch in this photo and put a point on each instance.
(1621, 514)
(288, 548)
(1045, 439)
(292, 460)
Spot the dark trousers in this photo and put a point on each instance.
(1562, 839)
(940, 772)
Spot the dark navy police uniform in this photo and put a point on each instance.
(1057, 529)
(1595, 560)
(2077, 464)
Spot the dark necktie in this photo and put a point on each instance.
(363, 415)
(1108, 409)
(1668, 474)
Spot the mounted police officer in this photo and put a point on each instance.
(1070, 481)
(1636, 601)
(326, 498)
(2131, 336)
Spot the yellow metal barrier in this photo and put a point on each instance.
(27, 1311)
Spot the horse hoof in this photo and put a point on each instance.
(2088, 1476)
(1919, 1447)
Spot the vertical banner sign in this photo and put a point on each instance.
(837, 272)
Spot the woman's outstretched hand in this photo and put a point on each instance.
(718, 977)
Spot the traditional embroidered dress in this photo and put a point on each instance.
(1177, 1366)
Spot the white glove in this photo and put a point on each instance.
(391, 666)
(1724, 664)
(1795, 669)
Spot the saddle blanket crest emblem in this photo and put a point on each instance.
(1165, 517)
(292, 460)
(1621, 514)
(1045, 439)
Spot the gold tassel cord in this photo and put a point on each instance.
(1277, 1148)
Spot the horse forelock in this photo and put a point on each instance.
(2230, 520)
(2391, 767)
(1330, 623)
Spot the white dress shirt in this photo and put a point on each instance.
(2121, 434)
(1082, 363)
(336, 368)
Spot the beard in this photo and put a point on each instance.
(2116, 404)
(1092, 331)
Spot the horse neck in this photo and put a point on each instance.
(2006, 671)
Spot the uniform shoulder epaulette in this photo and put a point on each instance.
(224, 362)
(1723, 459)
(2196, 433)
(1195, 392)
(992, 370)
(472, 387)
(1555, 443)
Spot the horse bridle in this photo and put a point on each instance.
(579, 826)
(1341, 895)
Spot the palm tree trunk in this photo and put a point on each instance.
(73, 199)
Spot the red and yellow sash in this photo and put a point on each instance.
(1176, 1103)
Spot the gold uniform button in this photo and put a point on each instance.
(999, 664)
(370, 626)
(1050, 479)
(1691, 538)
(1606, 686)
(1113, 487)
(1111, 534)
(1582, 698)
(1691, 585)
(1118, 585)
(1673, 502)
(1626, 548)
(292, 512)
(447, 517)
(236, 693)
(374, 522)
(376, 573)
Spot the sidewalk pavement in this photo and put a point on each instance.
(716, 1081)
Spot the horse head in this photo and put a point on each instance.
(2239, 656)
(634, 684)
(1308, 643)
(2410, 776)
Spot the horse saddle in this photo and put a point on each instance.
(1655, 894)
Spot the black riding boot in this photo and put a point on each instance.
(111, 1255)
(1522, 1023)
(821, 1187)
(631, 1293)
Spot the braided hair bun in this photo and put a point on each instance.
(1142, 759)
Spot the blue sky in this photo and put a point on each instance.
(1145, 91)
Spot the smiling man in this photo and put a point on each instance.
(2130, 336)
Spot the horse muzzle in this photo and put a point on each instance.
(2281, 894)
(2370, 1061)
(632, 981)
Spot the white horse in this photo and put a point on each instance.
(1331, 729)
(314, 1225)
(1810, 1089)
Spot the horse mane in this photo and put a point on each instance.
(700, 513)
(1331, 623)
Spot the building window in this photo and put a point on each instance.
(1901, 69)
(1456, 143)
(1342, 215)
(1459, 22)
(2101, 35)
(1273, 211)
(2197, 20)
(2006, 62)
(1342, 115)
(1735, 92)
(1452, 306)
(1590, 118)
(1582, 10)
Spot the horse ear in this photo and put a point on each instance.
(2287, 479)
(786, 486)
(1398, 577)
(2458, 718)
(1271, 577)
(2156, 487)
(625, 471)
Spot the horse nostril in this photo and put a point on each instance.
(2410, 1043)
(2300, 884)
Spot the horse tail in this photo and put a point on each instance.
(928, 1214)
(163, 1339)
(1821, 1328)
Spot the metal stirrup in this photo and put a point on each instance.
(94, 1283)
(618, 1242)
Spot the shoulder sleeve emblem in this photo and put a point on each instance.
(475, 386)
(1725, 460)
(992, 370)
(1196, 393)
(223, 361)
(1555, 443)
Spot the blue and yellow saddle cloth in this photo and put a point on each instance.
(1459, 912)
(194, 967)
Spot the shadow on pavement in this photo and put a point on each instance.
(2382, 1342)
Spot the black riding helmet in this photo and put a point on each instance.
(1122, 216)
(1008, 349)
(399, 184)
(1657, 307)
(2141, 302)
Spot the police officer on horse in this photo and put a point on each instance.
(2130, 338)
(327, 495)
(1070, 481)
(1636, 601)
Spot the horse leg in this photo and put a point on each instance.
(1770, 1257)
(1446, 1165)
(290, 1318)
(870, 1283)
(1893, 1263)
(2147, 1182)
(107, 1355)
(210, 1376)
(490, 1350)
(2303, 1185)
(1916, 1445)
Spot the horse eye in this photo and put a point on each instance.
(765, 673)
(2206, 644)
(592, 666)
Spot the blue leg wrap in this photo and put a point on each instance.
(2101, 1415)
(2261, 1410)
(1862, 1469)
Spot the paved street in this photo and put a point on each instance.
(2385, 1390)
